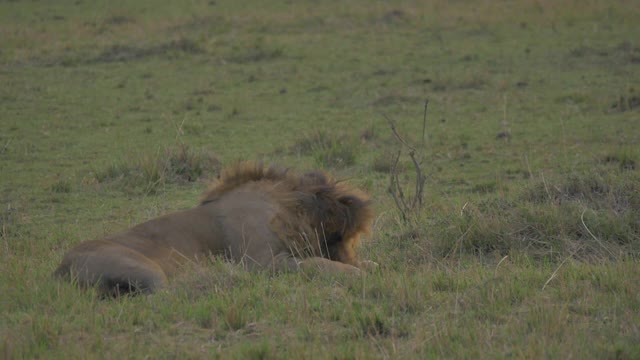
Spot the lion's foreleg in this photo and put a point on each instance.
(315, 264)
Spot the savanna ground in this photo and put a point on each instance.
(113, 112)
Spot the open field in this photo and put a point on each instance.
(528, 241)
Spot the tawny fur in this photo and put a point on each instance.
(261, 217)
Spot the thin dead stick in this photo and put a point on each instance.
(424, 121)
(405, 205)
(399, 188)
(553, 275)
(396, 134)
(594, 237)
(419, 182)
(495, 272)
(394, 188)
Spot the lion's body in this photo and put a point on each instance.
(263, 218)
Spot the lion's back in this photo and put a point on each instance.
(245, 217)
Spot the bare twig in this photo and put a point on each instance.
(395, 133)
(495, 272)
(594, 237)
(420, 180)
(395, 189)
(424, 121)
(553, 275)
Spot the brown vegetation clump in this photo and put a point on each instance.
(171, 165)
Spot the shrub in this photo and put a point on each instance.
(148, 173)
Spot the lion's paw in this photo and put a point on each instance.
(368, 265)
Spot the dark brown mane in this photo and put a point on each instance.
(242, 173)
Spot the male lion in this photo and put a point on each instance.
(261, 217)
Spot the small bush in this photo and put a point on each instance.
(9, 222)
(627, 160)
(586, 216)
(328, 150)
(149, 173)
(314, 141)
(257, 53)
(384, 162)
(337, 156)
(368, 322)
(61, 187)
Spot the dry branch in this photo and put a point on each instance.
(405, 207)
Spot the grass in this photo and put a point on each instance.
(527, 244)
(587, 216)
(148, 174)
(327, 149)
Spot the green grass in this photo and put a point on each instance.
(527, 245)
(148, 174)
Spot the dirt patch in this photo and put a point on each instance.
(123, 53)
(116, 20)
(208, 23)
(394, 17)
(625, 103)
(257, 53)
(623, 53)
(392, 99)
(624, 160)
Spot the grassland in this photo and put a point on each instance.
(527, 245)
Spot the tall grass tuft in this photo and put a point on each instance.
(588, 216)
(329, 150)
(149, 173)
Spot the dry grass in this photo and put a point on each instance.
(150, 173)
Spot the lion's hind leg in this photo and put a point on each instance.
(113, 268)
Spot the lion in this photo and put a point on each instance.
(261, 217)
